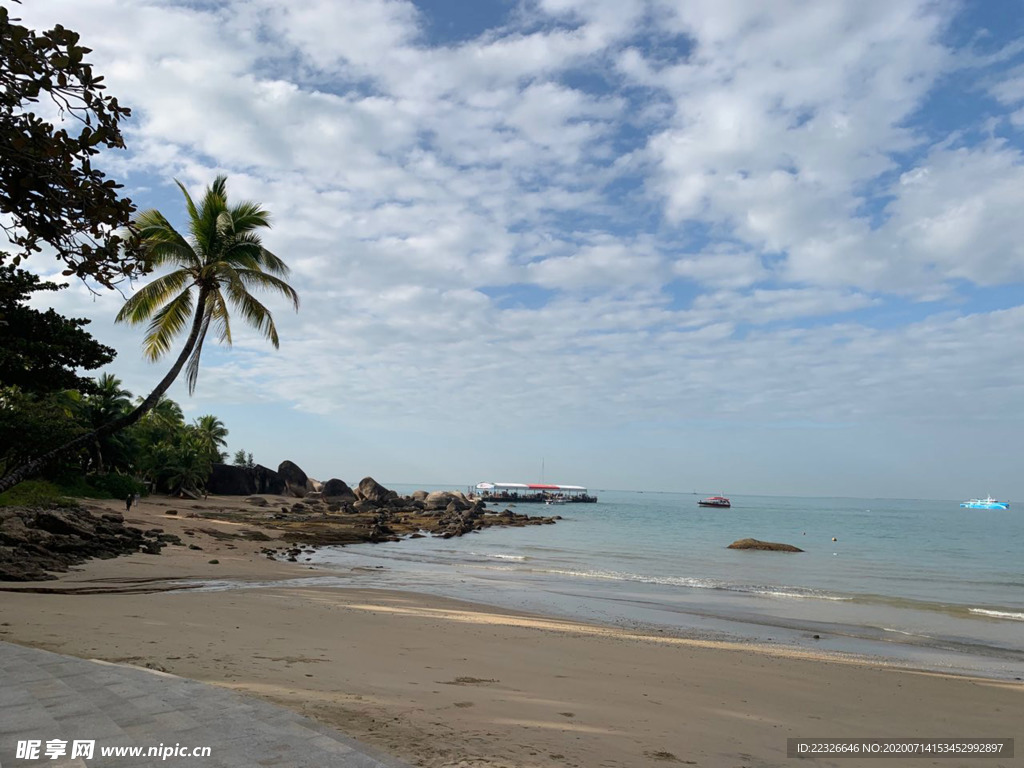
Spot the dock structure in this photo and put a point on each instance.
(532, 493)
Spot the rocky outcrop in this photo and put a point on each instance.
(338, 489)
(296, 481)
(370, 490)
(769, 546)
(34, 541)
(228, 480)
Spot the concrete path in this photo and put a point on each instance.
(46, 697)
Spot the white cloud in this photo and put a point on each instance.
(705, 192)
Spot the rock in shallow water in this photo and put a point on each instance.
(769, 546)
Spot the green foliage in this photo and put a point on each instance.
(114, 486)
(31, 424)
(108, 402)
(42, 351)
(34, 493)
(243, 459)
(190, 465)
(50, 193)
(222, 261)
(211, 435)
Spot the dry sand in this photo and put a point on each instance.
(445, 683)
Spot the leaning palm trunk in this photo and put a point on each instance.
(33, 466)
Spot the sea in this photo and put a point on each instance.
(915, 583)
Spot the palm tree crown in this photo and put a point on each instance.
(217, 266)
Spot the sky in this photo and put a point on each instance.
(718, 246)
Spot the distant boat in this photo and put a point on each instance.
(987, 503)
(714, 501)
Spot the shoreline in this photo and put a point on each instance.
(443, 682)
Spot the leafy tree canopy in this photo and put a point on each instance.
(41, 351)
(50, 193)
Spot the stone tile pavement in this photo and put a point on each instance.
(45, 696)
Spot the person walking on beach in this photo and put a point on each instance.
(128, 502)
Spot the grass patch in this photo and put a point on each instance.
(35, 493)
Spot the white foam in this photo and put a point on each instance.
(798, 595)
(680, 581)
(999, 614)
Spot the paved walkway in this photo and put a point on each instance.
(45, 696)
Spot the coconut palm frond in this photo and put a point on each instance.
(258, 316)
(192, 369)
(166, 324)
(271, 263)
(249, 215)
(253, 278)
(141, 306)
(221, 318)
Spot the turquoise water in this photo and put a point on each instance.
(921, 583)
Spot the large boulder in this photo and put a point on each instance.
(371, 490)
(769, 546)
(267, 480)
(229, 480)
(296, 482)
(338, 489)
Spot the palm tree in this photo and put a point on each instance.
(212, 436)
(108, 401)
(215, 267)
(165, 415)
(189, 465)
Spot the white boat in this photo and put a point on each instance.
(540, 493)
(986, 503)
(714, 501)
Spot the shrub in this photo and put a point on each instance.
(114, 486)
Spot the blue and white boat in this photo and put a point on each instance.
(988, 503)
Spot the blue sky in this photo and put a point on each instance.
(726, 246)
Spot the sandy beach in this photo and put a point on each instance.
(440, 682)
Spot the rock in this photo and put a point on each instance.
(441, 500)
(257, 501)
(365, 505)
(338, 489)
(371, 490)
(419, 495)
(34, 541)
(295, 480)
(770, 546)
(228, 480)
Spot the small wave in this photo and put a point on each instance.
(898, 631)
(516, 558)
(682, 581)
(1010, 615)
(798, 595)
